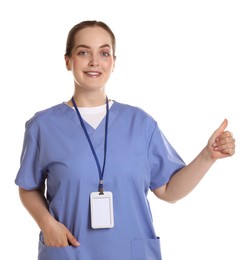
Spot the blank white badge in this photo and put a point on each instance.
(102, 210)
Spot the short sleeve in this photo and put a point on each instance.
(163, 159)
(30, 174)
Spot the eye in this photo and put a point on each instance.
(105, 54)
(83, 53)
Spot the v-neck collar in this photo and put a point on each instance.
(72, 115)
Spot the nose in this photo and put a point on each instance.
(93, 62)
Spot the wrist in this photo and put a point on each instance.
(207, 156)
(46, 222)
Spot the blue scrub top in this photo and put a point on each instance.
(139, 158)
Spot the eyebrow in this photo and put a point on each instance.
(88, 47)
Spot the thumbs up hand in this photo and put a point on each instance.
(221, 144)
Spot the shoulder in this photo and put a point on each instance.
(135, 116)
(134, 111)
(43, 116)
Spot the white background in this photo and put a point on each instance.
(187, 63)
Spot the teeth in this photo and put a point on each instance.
(93, 73)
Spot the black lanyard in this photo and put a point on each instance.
(101, 173)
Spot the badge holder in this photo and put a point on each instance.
(101, 210)
(101, 202)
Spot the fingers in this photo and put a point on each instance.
(72, 240)
(225, 135)
(222, 142)
(59, 236)
(225, 143)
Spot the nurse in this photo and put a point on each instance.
(88, 164)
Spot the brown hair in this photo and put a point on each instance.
(82, 25)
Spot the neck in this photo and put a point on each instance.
(88, 100)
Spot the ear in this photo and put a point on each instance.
(67, 62)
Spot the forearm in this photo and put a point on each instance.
(185, 180)
(35, 203)
(220, 145)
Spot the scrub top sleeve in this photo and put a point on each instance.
(30, 174)
(164, 161)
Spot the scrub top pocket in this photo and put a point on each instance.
(146, 249)
(53, 253)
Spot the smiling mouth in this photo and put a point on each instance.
(93, 73)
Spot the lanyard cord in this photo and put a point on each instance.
(101, 173)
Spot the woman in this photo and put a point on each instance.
(97, 159)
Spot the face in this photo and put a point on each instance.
(92, 60)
